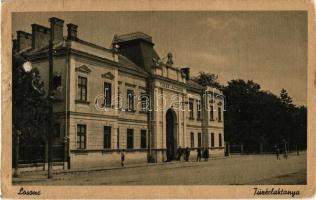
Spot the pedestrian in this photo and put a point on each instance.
(187, 154)
(204, 154)
(198, 158)
(277, 152)
(179, 153)
(207, 154)
(122, 157)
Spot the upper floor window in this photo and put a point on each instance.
(130, 100)
(198, 109)
(107, 94)
(144, 102)
(211, 113)
(107, 137)
(219, 114)
(81, 136)
(82, 88)
(191, 109)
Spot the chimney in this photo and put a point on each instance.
(186, 72)
(56, 26)
(40, 36)
(23, 41)
(72, 31)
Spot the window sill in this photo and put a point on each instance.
(130, 111)
(212, 120)
(82, 102)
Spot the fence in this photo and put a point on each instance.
(31, 154)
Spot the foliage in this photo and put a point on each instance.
(208, 79)
(29, 107)
(254, 116)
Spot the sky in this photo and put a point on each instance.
(268, 47)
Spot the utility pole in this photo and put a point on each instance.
(50, 104)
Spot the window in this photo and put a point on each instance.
(198, 108)
(143, 138)
(118, 138)
(130, 100)
(56, 82)
(191, 108)
(220, 140)
(192, 139)
(219, 114)
(81, 136)
(107, 137)
(107, 94)
(199, 139)
(212, 139)
(82, 88)
(211, 113)
(130, 138)
(57, 130)
(144, 102)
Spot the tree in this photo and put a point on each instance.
(254, 116)
(29, 105)
(208, 79)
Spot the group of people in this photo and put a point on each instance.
(202, 152)
(185, 154)
(277, 152)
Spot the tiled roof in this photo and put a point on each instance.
(126, 63)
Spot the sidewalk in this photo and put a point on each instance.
(33, 176)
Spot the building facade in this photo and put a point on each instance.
(123, 98)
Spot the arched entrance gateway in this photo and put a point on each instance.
(171, 130)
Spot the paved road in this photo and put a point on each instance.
(235, 170)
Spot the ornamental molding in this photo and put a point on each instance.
(83, 69)
(108, 75)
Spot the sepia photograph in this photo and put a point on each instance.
(159, 98)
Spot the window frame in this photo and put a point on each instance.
(220, 142)
(82, 87)
(107, 137)
(130, 135)
(143, 139)
(192, 139)
(81, 135)
(130, 100)
(191, 109)
(199, 139)
(212, 140)
(107, 98)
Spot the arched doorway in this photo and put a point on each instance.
(171, 130)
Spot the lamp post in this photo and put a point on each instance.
(50, 105)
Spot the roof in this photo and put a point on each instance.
(132, 36)
(194, 84)
(126, 63)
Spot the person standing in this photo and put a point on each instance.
(187, 154)
(277, 152)
(122, 157)
(198, 158)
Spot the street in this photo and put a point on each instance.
(234, 170)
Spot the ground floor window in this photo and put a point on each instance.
(212, 139)
(220, 140)
(199, 139)
(118, 138)
(130, 138)
(81, 136)
(107, 137)
(143, 136)
(192, 139)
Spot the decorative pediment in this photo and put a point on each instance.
(108, 75)
(83, 69)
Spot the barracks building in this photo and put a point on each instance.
(126, 97)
